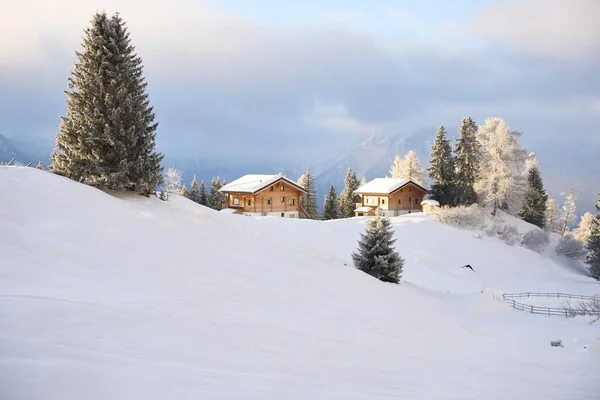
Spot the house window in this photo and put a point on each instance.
(409, 199)
(282, 188)
(417, 202)
(272, 188)
(399, 201)
(282, 199)
(283, 214)
(369, 200)
(401, 190)
(382, 201)
(291, 202)
(249, 202)
(269, 202)
(236, 202)
(410, 188)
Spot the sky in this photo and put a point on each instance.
(237, 79)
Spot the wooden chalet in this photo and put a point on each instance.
(394, 196)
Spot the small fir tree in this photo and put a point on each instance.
(533, 209)
(348, 199)
(376, 255)
(203, 197)
(593, 244)
(183, 192)
(468, 154)
(331, 209)
(308, 201)
(216, 199)
(442, 170)
(194, 191)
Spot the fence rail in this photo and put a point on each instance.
(563, 312)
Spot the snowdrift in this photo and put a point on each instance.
(106, 295)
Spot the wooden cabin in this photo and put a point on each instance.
(394, 196)
(263, 195)
(430, 206)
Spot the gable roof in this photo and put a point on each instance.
(253, 183)
(385, 186)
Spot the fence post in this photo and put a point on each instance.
(532, 309)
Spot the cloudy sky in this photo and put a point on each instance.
(233, 78)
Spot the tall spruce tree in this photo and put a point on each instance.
(442, 170)
(376, 255)
(331, 209)
(533, 209)
(348, 198)
(203, 197)
(468, 153)
(216, 199)
(308, 201)
(593, 244)
(107, 137)
(194, 191)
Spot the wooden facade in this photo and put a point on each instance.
(280, 197)
(406, 199)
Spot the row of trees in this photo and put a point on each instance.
(197, 192)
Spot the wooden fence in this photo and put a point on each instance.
(563, 312)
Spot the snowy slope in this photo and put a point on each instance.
(124, 297)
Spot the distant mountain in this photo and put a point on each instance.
(373, 158)
(9, 150)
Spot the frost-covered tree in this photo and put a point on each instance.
(40, 165)
(194, 191)
(107, 137)
(552, 217)
(308, 201)
(216, 199)
(533, 209)
(593, 245)
(203, 197)
(172, 180)
(376, 255)
(442, 170)
(568, 213)
(348, 199)
(331, 209)
(584, 230)
(408, 167)
(570, 247)
(499, 182)
(363, 181)
(468, 153)
(183, 192)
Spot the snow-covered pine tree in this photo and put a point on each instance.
(308, 202)
(442, 170)
(584, 230)
(568, 213)
(183, 192)
(216, 199)
(552, 217)
(203, 197)
(533, 209)
(107, 137)
(593, 245)
(408, 167)
(468, 153)
(194, 191)
(375, 254)
(348, 199)
(331, 208)
(502, 163)
(396, 170)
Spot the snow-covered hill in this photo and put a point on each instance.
(108, 296)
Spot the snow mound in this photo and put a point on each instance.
(116, 296)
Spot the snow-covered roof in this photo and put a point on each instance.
(431, 202)
(384, 186)
(364, 209)
(253, 183)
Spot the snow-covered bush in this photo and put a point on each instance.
(509, 234)
(570, 247)
(536, 240)
(464, 216)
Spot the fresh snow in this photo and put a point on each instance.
(113, 296)
(250, 183)
(431, 202)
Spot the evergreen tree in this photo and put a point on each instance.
(502, 163)
(376, 255)
(533, 209)
(308, 201)
(107, 137)
(552, 217)
(331, 209)
(203, 198)
(194, 191)
(442, 170)
(468, 153)
(568, 213)
(183, 192)
(216, 199)
(348, 199)
(593, 245)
